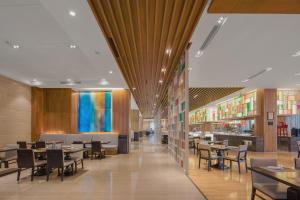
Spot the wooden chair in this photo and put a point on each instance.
(26, 160)
(97, 150)
(298, 142)
(22, 144)
(240, 155)
(40, 144)
(55, 160)
(297, 163)
(78, 156)
(206, 154)
(265, 185)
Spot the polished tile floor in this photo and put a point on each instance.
(147, 173)
(219, 185)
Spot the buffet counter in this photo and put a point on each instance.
(234, 139)
(287, 143)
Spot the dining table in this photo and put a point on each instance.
(220, 149)
(287, 176)
(6, 149)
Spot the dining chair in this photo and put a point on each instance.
(26, 160)
(266, 185)
(297, 163)
(8, 157)
(78, 156)
(205, 153)
(56, 160)
(239, 156)
(97, 149)
(22, 144)
(196, 144)
(298, 143)
(40, 144)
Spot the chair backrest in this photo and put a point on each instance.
(242, 153)
(22, 144)
(77, 154)
(25, 158)
(225, 142)
(297, 163)
(96, 146)
(298, 142)
(55, 158)
(40, 144)
(262, 162)
(77, 142)
(204, 150)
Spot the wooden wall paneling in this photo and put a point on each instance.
(15, 111)
(255, 6)
(37, 116)
(270, 131)
(74, 111)
(121, 111)
(259, 124)
(139, 32)
(134, 120)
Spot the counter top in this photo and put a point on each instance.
(234, 134)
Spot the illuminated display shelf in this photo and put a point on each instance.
(288, 102)
(208, 114)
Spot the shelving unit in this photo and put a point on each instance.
(288, 102)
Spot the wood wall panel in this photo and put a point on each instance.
(37, 117)
(121, 111)
(255, 6)
(135, 120)
(15, 111)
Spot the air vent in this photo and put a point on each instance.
(113, 47)
(210, 37)
(70, 83)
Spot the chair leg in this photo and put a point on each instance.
(19, 174)
(62, 174)
(6, 164)
(199, 162)
(298, 154)
(32, 173)
(72, 166)
(82, 163)
(208, 165)
(230, 165)
(75, 166)
(47, 171)
(246, 166)
(253, 193)
(239, 165)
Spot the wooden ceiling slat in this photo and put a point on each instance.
(207, 95)
(255, 6)
(142, 30)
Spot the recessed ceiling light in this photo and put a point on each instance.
(156, 96)
(163, 70)
(72, 46)
(70, 82)
(298, 74)
(168, 51)
(16, 46)
(195, 96)
(296, 54)
(269, 69)
(190, 69)
(160, 81)
(222, 20)
(72, 13)
(199, 53)
(104, 82)
(110, 72)
(244, 81)
(298, 84)
(35, 82)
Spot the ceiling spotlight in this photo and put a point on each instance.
(244, 81)
(168, 51)
(190, 69)
(199, 53)
(72, 13)
(154, 104)
(104, 82)
(72, 46)
(156, 96)
(269, 69)
(16, 46)
(296, 54)
(298, 74)
(195, 96)
(160, 81)
(35, 82)
(298, 84)
(133, 88)
(110, 72)
(163, 70)
(70, 82)
(222, 20)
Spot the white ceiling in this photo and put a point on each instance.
(44, 30)
(245, 45)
